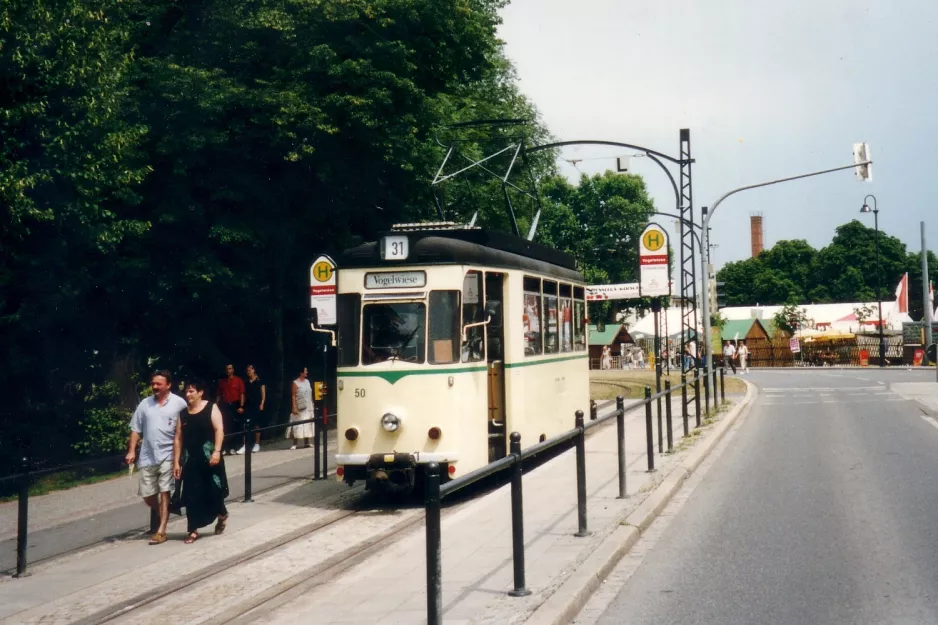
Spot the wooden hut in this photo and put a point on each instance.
(614, 335)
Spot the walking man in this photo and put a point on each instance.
(230, 398)
(729, 355)
(153, 426)
(256, 396)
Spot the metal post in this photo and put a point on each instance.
(649, 440)
(22, 521)
(697, 395)
(620, 435)
(667, 404)
(926, 303)
(723, 384)
(316, 432)
(593, 410)
(879, 289)
(325, 441)
(684, 414)
(706, 385)
(247, 460)
(517, 518)
(715, 404)
(434, 547)
(656, 307)
(581, 477)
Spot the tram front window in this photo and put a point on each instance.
(394, 332)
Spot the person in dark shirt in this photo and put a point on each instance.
(255, 394)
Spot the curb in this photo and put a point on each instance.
(568, 600)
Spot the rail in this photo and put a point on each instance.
(27, 475)
(436, 491)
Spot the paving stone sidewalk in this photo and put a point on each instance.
(63, 506)
(388, 587)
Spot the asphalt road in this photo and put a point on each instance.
(822, 509)
(119, 522)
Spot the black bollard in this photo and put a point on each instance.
(723, 384)
(325, 447)
(434, 547)
(706, 385)
(22, 521)
(620, 434)
(517, 519)
(581, 477)
(649, 439)
(716, 406)
(316, 432)
(684, 414)
(697, 395)
(667, 407)
(594, 409)
(658, 401)
(247, 460)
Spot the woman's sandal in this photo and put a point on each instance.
(158, 539)
(221, 525)
(191, 538)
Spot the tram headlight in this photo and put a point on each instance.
(390, 422)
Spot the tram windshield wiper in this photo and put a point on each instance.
(398, 351)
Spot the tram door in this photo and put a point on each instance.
(495, 341)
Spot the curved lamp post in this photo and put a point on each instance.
(879, 275)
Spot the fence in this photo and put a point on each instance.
(436, 491)
(835, 352)
(28, 474)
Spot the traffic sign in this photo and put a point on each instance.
(654, 279)
(323, 289)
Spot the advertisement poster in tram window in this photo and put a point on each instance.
(532, 322)
(566, 327)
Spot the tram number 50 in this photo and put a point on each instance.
(359, 392)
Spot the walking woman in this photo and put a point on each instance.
(200, 434)
(302, 400)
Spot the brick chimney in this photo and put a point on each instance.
(755, 233)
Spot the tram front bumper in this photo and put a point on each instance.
(391, 472)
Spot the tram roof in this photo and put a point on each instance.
(469, 246)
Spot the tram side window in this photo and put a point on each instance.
(566, 318)
(444, 327)
(473, 311)
(394, 331)
(348, 315)
(532, 317)
(579, 319)
(551, 334)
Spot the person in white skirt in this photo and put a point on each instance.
(302, 396)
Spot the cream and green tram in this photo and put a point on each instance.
(449, 339)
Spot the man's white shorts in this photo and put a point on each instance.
(156, 478)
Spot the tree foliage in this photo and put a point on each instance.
(849, 269)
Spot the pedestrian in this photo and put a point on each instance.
(743, 353)
(690, 356)
(153, 426)
(200, 434)
(255, 395)
(607, 358)
(230, 399)
(729, 355)
(639, 357)
(302, 400)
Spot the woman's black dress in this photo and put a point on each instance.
(204, 487)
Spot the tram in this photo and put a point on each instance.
(451, 337)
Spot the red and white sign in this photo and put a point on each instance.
(603, 292)
(323, 289)
(654, 277)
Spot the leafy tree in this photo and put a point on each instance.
(790, 319)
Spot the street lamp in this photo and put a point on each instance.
(879, 276)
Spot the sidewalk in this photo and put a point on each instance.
(63, 506)
(925, 393)
(387, 587)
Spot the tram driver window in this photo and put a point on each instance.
(444, 327)
(551, 329)
(532, 317)
(473, 311)
(394, 331)
(579, 319)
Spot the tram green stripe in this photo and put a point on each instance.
(546, 361)
(395, 376)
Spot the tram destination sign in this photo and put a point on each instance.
(654, 277)
(323, 290)
(395, 280)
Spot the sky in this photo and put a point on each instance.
(767, 89)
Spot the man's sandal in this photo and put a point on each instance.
(221, 525)
(191, 538)
(158, 539)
